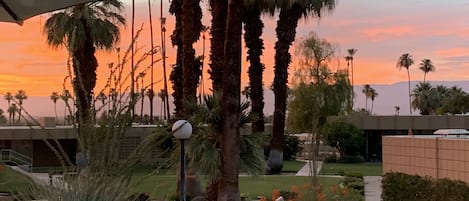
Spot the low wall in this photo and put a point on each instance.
(434, 156)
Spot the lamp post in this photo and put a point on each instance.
(182, 130)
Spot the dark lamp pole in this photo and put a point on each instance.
(182, 130)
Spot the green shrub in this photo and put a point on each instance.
(400, 186)
(354, 181)
(445, 189)
(351, 159)
(292, 147)
(353, 174)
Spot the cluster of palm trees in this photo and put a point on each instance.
(98, 28)
(405, 61)
(65, 96)
(439, 100)
(15, 105)
(370, 93)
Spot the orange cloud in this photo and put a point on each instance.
(454, 52)
(386, 33)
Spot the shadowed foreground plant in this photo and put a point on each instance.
(105, 174)
(90, 187)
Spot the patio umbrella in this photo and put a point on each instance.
(16, 11)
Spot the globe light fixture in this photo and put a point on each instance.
(182, 130)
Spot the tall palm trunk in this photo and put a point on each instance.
(424, 76)
(410, 101)
(252, 36)
(286, 31)
(84, 69)
(218, 9)
(163, 55)
(372, 104)
(191, 28)
(176, 74)
(152, 60)
(141, 104)
(217, 42)
(132, 67)
(228, 188)
(55, 111)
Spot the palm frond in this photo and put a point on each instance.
(252, 154)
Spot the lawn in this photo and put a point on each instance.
(292, 166)
(160, 186)
(366, 169)
(12, 181)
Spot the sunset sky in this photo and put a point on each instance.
(380, 30)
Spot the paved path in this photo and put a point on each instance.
(39, 178)
(306, 170)
(372, 188)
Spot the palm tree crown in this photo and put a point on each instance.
(8, 97)
(82, 29)
(405, 61)
(426, 66)
(68, 28)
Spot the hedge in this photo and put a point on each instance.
(404, 187)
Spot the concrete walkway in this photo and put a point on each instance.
(306, 170)
(372, 188)
(39, 178)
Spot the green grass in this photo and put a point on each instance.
(161, 186)
(12, 181)
(292, 166)
(366, 169)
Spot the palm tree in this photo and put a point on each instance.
(102, 97)
(150, 94)
(397, 108)
(8, 97)
(176, 74)
(82, 29)
(65, 96)
(191, 29)
(252, 36)
(186, 72)
(54, 97)
(347, 59)
(424, 98)
(141, 75)
(426, 66)
(20, 96)
(405, 61)
(290, 13)
(366, 91)
(152, 60)
(351, 53)
(373, 95)
(217, 31)
(162, 95)
(12, 109)
(230, 104)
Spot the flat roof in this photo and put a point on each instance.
(465, 137)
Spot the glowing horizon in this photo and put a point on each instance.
(381, 31)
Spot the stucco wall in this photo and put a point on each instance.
(437, 157)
